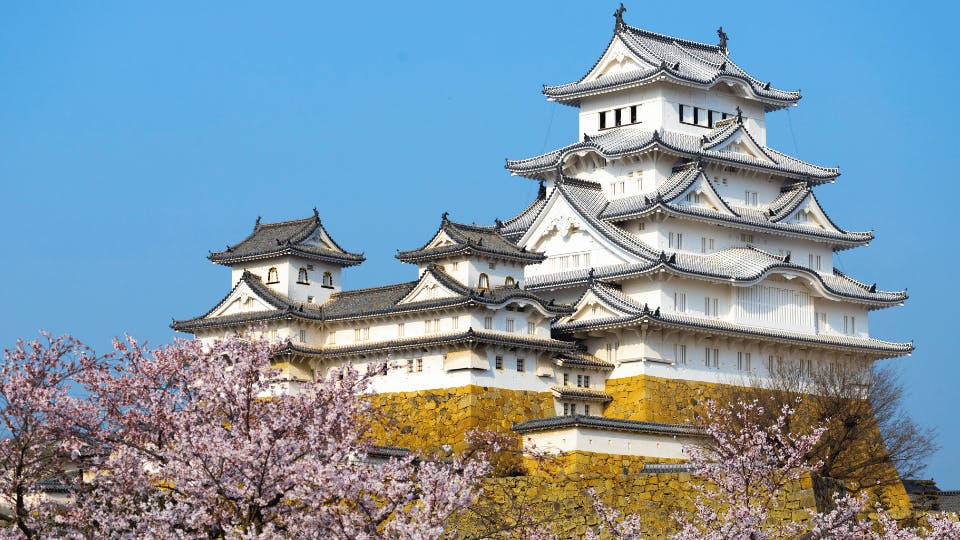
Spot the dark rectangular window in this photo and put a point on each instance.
(498, 362)
(616, 117)
(603, 120)
(520, 366)
(633, 114)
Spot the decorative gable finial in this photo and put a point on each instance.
(445, 217)
(316, 214)
(497, 224)
(739, 115)
(723, 39)
(618, 15)
(257, 224)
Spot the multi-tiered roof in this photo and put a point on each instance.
(304, 238)
(679, 61)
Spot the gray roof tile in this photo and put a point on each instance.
(624, 141)
(636, 314)
(363, 303)
(269, 240)
(554, 423)
(679, 60)
(466, 239)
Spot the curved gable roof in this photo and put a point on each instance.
(306, 238)
(463, 239)
(624, 141)
(678, 60)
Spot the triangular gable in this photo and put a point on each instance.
(320, 238)
(560, 219)
(809, 213)
(701, 194)
(616, 60)
(242, 299)
(591, 306)
(441, 239)
(741, 142)
(428, 288)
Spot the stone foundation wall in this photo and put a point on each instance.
(557, 495)
(427, 419)
(656, 399)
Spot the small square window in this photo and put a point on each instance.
(488, 323)
(498, 362)
(520, 365)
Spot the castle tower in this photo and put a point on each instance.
(694, 254)
(297, 259)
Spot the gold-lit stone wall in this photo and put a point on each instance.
(426, 420)
(557, 496)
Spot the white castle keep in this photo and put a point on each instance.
(667, 241)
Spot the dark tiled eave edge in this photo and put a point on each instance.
(387, 452)
(586, 394)
(348, 259)
(571, 93)
(581, 359)
(846, 239)
(286, 309)
(423, 255)
(631, 38)
(550, 160)
(269, 240)
(885, 349)
(317, 313)
(469, 336)
(578, 278)
(554, 423)
(469, 239)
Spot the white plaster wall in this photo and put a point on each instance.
(659, 108)
(288, 269)
(609, 442)
(467, 270)
(649, 114)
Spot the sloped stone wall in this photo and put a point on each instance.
(427, 419)
(556, 492)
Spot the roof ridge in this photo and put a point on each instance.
(664, 37)
(305, 220)
(342, 293)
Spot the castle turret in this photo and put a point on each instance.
(297, 259)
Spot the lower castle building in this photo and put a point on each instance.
(668, 251)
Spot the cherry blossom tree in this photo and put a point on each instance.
(36, 381)
(197, 440)
(746, 472)
(208, 441)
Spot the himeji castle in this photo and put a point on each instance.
(669, 250)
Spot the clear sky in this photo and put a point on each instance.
(135, 137)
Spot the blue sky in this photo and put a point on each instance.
(134, 138)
